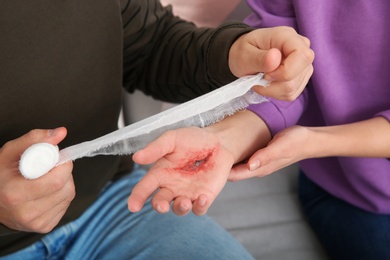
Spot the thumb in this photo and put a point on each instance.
(41, 157)
(259, 159)
(16, 147)
(240, 172)
(255, 60)
(268, 61)
(156, 149)
(258, 165)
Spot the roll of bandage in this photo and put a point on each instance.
(38, 159)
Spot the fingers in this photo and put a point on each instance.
(155, 150)
(286, 90)
(163, 198)
(292, 75)
(264, 60)
(33, 205)
(11, 152)
(247, 58)
(257, 60)
(243, 172)
(182, 206)
(294, 64)
(51, 183)
(13, 149)
(52, 136)
(43, 214)
(141, 192)
(201, 205)
(269, 60)
(296, 52)
(260, 164)
(264, 50)
(42, 223)
(22, 190)
(240, 172)
(281, 53)
(36, 205)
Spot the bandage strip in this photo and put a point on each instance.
(202, 111)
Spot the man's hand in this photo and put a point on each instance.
(33, 205)
(190, 170)
(283, 55)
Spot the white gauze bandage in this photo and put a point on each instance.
(202, 111)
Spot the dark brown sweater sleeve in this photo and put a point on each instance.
(171, 59)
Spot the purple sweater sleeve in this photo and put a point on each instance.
(385, 114)
(278, 114)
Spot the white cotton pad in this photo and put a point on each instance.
(38, 159)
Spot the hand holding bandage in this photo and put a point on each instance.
(281, 54)
(33, 205)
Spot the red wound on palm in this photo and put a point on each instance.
(199, 161)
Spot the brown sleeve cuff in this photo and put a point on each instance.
(218, 52)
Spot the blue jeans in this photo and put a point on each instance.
(345, 231)
(107, 230)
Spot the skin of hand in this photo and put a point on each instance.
(281, 53)
(191, 165)
(369, 138)
(33, 205)
(190, 170)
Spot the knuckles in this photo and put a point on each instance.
(5, 148)
(11, 198)
(22, 214)
(286, 30)
(36, 224)
(309, 55)
(33, 135)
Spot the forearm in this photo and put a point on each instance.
(369, 138)
(242, 134)
(171, 59)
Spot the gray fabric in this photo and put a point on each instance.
(265, 216)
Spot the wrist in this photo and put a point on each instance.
(318, 142)
(369, 138)
(241, 134)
